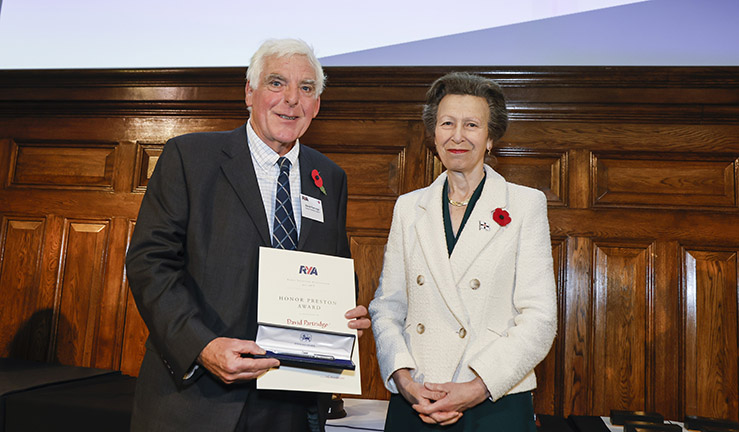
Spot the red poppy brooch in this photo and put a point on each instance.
(501, 217)
(318, 181)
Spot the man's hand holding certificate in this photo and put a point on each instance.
(302, 301)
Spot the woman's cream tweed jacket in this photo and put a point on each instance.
(488, 310)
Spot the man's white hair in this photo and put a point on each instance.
(283, 48)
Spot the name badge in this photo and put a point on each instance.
(311, 208)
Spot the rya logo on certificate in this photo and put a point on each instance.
(307, 270)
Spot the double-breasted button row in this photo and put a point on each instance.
(474, 283)
(420, 328)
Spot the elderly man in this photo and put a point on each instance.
(213, 200)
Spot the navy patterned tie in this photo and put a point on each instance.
(284, 232)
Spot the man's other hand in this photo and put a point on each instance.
(359, 319)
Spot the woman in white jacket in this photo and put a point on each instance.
(466, 305)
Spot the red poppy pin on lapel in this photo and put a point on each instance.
(317, 180)
(501, 217)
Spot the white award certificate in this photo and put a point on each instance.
(301, 304)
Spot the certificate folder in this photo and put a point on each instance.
(300, 347)
(301, 304)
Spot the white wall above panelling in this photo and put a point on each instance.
(186, 33)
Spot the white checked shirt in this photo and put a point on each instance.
(267, 171)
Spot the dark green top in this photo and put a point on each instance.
(451, 240)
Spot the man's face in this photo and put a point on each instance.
(285, 101)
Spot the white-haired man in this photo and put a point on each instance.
(212, 201)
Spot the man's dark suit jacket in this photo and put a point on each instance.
(192, 267)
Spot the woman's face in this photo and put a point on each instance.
(462, 132)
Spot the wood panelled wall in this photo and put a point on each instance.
(640, 165)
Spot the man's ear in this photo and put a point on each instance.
(248, 94)
(318, 106)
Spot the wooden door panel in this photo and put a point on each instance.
(135, 332)
(658, 181)
(371, 175)
(146, 160)
(622, 290)
(63, 165)
(367, 252)
(109, 339)
(668, 331)
(24, 329)
(547, 397)
(577, 318)
(711, 353)
(546, 171)
(80, 291)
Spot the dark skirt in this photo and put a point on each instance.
(511, 413)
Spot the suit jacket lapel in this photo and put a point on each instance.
(306, 180)
(431, 237)
(239, 171)
(474, 236)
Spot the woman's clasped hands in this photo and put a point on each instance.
(442, 404)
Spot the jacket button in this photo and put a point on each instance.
(462, 333)
(474, 284)
(420, 328)
(420, 280)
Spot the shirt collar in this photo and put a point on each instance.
(263, 154)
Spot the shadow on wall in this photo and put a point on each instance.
(33, 339)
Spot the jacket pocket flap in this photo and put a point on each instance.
(499, 324)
